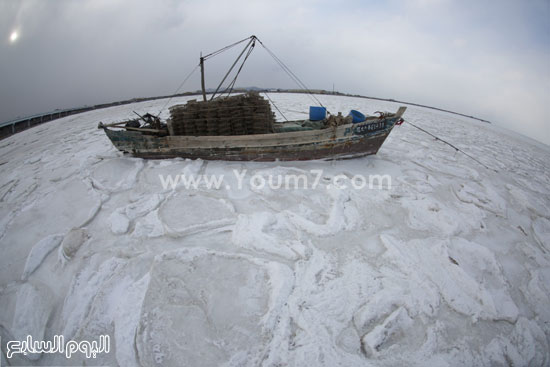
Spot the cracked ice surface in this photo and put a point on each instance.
(450, 266)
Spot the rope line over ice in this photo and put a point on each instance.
(449, 144)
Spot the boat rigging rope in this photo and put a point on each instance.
(302, 112)
(232, 66)
(250, 46)
(177, 90)
(281, 112)
(449, 144)
(212, 54)
(290, 73)
(232, 84)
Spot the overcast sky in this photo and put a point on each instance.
(486, 58)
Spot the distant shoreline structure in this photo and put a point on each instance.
(12, 127)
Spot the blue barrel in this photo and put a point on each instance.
(317, 113)
(357, 116)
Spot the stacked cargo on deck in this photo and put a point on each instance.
(243, 114)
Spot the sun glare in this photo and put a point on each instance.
(13, 37)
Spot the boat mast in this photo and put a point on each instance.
(202, 78)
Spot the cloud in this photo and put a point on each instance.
(484, 58)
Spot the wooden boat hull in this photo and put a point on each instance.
(346, 141)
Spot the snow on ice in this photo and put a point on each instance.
(449, 266)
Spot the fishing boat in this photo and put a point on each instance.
(242, 127)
